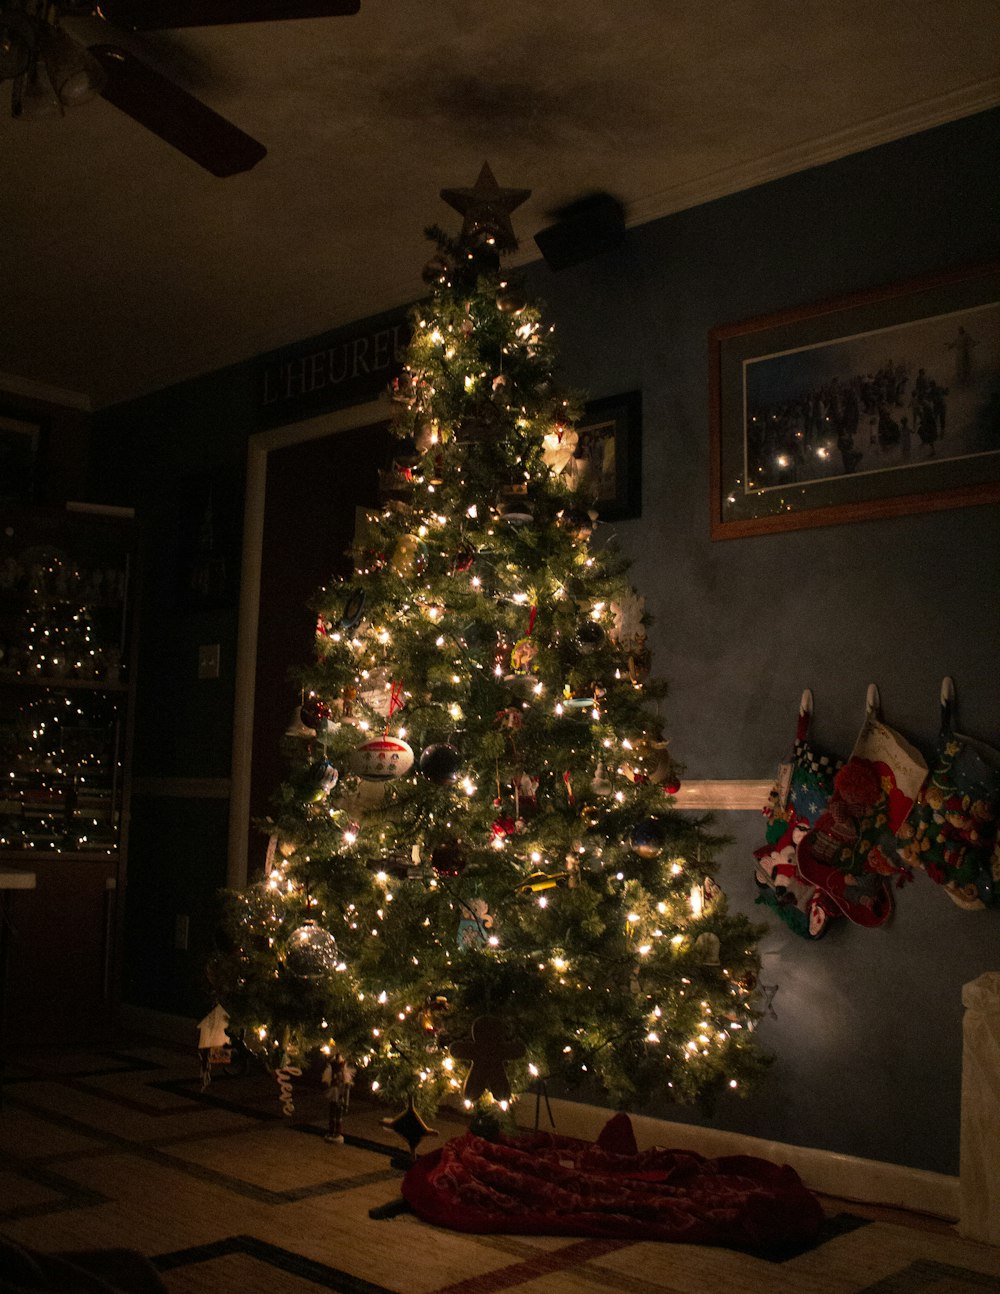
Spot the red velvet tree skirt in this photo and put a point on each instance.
(544, 1184)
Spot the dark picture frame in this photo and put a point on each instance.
(20, 458)
(872, 405)
(608, 459)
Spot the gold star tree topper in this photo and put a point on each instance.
(486, 209)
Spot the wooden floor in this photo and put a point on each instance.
(122, 1147)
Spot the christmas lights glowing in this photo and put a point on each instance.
(514, 879)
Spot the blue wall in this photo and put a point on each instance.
(868, 1027)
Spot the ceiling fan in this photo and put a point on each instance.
(46, 65)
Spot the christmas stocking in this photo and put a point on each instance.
(803, 786)
(952, 831)
(850, 852)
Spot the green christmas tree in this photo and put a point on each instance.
(478, 882)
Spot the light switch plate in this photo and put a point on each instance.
(208, 661)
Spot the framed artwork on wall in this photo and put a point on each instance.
(20, 459)
(608, 458)
(873, 405)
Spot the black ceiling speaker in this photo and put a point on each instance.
(583, 229)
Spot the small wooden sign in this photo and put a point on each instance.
(345, 367)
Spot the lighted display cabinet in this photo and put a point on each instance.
(66, 664)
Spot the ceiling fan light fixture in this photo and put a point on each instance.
(75, 74)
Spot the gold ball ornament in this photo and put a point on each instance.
(648, 761)
(511, 301)
(409, 557)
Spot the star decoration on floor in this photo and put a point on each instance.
(411, 1127)
(486, 209)
(767, 992)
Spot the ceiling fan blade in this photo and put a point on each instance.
(154, 15)
(176, 116)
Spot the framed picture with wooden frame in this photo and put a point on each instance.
(20, 458)
(873, 405)
(608, 459)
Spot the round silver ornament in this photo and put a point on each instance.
(312, 952)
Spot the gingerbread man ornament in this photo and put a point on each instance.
(489, 1047)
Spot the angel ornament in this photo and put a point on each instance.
(559, 449)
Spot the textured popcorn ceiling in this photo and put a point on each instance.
(125, 267)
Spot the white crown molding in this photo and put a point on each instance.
(11, 384)
(911, 120)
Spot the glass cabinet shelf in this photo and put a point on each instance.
(65, 686)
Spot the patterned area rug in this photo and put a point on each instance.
(221, 1192)
(927, 1277)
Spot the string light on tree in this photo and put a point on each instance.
(504, 878)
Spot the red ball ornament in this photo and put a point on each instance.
(462, 560)
(316, 713)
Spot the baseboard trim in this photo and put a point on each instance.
(848, 1177)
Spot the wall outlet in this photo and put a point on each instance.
(182, 927)
(208, 661)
